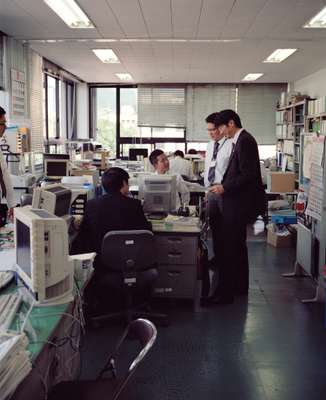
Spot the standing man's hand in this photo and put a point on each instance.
(11, 214)
(219, 189)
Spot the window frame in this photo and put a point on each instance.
(57, 107)
(120, 140)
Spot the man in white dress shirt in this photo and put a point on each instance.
(216, 161)
(161, 165)
(178, 165)
(6, 189)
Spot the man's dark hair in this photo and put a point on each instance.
(2, 112)
(153, 156)
(225, 116)
(211, 118)
(192, 151)
(113, 179)
(179, 153)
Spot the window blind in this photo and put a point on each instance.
(36, 100)
(256, 107)
(160, 106)
(203, 100)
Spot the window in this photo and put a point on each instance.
(114, 122)
(104, 119)
(52, 107)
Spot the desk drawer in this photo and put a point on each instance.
(176, 250)
(177, 281)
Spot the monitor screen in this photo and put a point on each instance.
(56, 168)
(133, 153)
(23, 247)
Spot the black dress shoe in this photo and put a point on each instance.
(222, 300)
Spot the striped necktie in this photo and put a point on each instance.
(211, 171)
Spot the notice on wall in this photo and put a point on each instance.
(315, 202)
(317, 156)
(307, 155)
(315, 198)
(17, 94)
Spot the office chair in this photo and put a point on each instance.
(26, 199)
(129, 258)
(145, 333)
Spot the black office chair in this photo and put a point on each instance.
(111, 389)
(129, 258)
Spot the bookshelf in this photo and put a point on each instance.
(290, 126)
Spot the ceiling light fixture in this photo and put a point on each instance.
(70, 12)
(124, 77)
(318, 21)
(279, 55)
(107, 56)
(252, 77)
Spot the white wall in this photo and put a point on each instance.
(314, 85)
(82, 111)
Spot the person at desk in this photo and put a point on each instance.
(6, 189)
(113, 211)
(242, 195)
(161, 165)
(217, 158)
(178, 165)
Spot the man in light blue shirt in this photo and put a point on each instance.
(217, 158)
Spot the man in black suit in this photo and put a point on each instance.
(242, 201)
(113, 211)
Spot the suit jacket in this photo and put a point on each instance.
(244, 195)
(110, 212)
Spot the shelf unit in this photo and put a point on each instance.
(290, 125)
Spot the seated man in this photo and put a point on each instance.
(178, 165)
(113, 211)
(161, 165)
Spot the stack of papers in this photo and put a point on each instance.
(15, 362)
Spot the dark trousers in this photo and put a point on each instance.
(216, 227)
(229, 233)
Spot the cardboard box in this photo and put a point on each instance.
(280, 182)
(277, 240)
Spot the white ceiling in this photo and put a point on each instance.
(261, 25)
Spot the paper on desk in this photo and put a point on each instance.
(179, 220)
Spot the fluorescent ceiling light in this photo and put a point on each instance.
(252, 77)
(107, 56)
(318, 21)
(70, 12)
(279, 55)
(124, 77)
(104, 40)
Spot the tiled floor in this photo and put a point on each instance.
(267, 346)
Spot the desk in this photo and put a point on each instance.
(176, 246)
(50, 364)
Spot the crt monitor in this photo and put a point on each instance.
(42, 257)
(55, 199)
(158, 193)
(56, 165)
(134, 153)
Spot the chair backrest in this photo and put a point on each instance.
(145, 332)
(128, 251)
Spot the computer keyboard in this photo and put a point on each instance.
(5, 278)
(9, 304)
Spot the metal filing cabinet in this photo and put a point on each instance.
(177, 265)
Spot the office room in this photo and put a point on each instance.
(162, 227)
